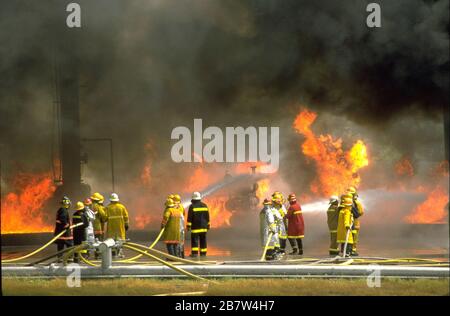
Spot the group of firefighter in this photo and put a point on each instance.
(96, 222)
(279, 223)
(92, 221)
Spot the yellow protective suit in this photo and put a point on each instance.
(357, 224)
(345, 222)
(116, 219)
(100, 218)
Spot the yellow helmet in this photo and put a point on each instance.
(347, 200)
(96, 197)
(170, 196)
(277, 198)
(169, 203)
(79, 206)
(176, 198)
(351, 190)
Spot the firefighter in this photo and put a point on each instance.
(63, 223)
(177, 201)
(100, 218)
(268, 226)
(280, 213)
(174, 228)
(358, 211)
(116, 220)
(198, 223)
(332, 221)
(79, 233)
(90, 236)
(345, 223)
(296, 225)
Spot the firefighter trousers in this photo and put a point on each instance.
(296, 243)
(174, 250)
(61, 243)
(334, 248)
(355, 233)
(195, 239)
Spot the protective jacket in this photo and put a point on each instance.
(62, 223)
(79, 234)
(117, 220)
(296, 224)
(173, 223)
(198, 217)
(100, 218)
(345, 223)
(89, 231)
(332, 218)
(268, 225)
(360, 211)
(279, 212)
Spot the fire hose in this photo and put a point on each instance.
(150, 247)
(43, 247)
(263, 257)
(157, 252)
(167, 264)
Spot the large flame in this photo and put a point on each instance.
(263, 189)
(22, 212)
(432, 210)
(219, 215)
(336, 169)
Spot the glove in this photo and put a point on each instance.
(126, 227)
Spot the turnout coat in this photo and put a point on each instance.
(345, 222)
(100, 218)
(296, 224)
(268, 225)
(62, 223)
(173, 221)
(117, 218)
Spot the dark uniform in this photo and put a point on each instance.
(79, 233)
(62, 223)
(198, 223)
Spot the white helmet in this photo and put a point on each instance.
(114, 197)
(334, 199)
(196, 196)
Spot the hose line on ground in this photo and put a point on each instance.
(157, 252)
(263, 257)
(150, 247)
(167, 264)
(43, 247)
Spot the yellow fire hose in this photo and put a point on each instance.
(263, 257)
(157, 252)
(168, 264)
(150, 247)
(43, 247)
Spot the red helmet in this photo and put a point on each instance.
(87, 201)
(267, 201)
(292, 197)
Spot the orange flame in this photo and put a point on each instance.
(404, 167)
(263, 189)
(22, 212)
(142, 220)
(219, 214)
(432, 210)
(336, 169)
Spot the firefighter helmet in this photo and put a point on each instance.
(267, 202)
(96, 197)
(196, 196)
(346, 200)
(114, 197)
(292, 197)
(176, 198)
(334, 199)
(169, 202)
(79, 206)
(65, 201)
(351, 190)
